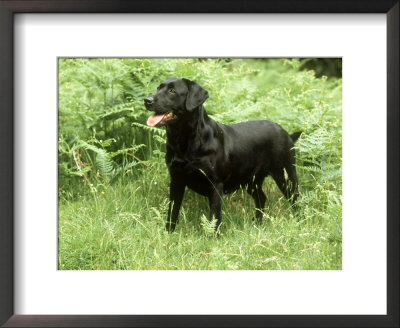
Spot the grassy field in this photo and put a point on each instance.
(113, 182)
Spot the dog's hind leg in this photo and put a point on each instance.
(289, 185)
(255, 190)
(215, 200)
(293, 183)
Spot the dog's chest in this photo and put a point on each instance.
(184, 164)
(194, 167)
(193, 172)
(187, 155)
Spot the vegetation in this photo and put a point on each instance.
(113, 182)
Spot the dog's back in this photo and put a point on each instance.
(254, 148)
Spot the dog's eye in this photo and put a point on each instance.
(172, 91)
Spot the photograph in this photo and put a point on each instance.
(199, 163)
(240, 156)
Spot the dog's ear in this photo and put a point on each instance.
(196, 95)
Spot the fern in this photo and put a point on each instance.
(104, 164)
(208, 226)
(150, 129)
(126, 150)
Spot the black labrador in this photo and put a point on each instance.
(214, 159)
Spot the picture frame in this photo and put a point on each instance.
(9, 8)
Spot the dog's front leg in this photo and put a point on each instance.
(176, 191)
(215, 200)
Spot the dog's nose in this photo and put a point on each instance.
(149, 100)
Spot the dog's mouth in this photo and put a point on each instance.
(159, 119)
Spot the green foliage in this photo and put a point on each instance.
(209, 226)
(113, 183)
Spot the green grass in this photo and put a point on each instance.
(114, 184)
(124, 229)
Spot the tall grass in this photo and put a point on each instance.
(113, 183)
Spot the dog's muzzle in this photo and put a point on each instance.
(148, 101)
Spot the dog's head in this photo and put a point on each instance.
(174, 98)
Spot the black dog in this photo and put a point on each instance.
(213, 158)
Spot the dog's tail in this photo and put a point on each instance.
(295, 136)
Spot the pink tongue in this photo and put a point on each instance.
(153, 120)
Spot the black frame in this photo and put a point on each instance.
(9, 7)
